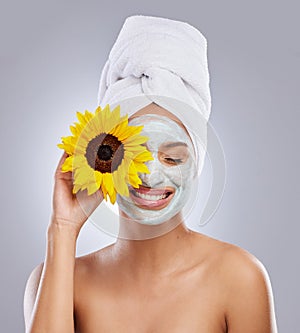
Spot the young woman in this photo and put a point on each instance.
(176, 281)
(159, 276)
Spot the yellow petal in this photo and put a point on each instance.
(119, 180)
(88, 115)
(98, 109)
(84, 175)
(68, 164)
(134, 180)
(129, 131)
(81, 118)
(101, 120)
(91, 130)
(135, 150)
(98, 178)
(135, 140)
(80, 151)
(144, 156)
(113, 197)
(108, 181)
(141, 167)
(81, 145)
(106, 118)
(92, 188)
(76, 188)
(74, 130)
(79, 160)
(120, 128)
(115, 115)
(68, 144)
(97, 123)
(104, 191)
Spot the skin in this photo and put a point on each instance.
(179, 281)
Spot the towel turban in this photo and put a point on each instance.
(160, 60)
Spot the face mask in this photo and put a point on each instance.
(165, 190)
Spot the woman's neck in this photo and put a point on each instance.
(153, 250)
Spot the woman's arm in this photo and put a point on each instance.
(250, 298)
(48, 299)
(52, 304)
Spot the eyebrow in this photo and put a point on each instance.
(175, 144)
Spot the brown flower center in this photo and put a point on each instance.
(104, 153)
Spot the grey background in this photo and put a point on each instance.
(52, 54)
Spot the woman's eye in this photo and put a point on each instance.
(173, 160)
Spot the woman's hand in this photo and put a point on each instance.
(70, 210)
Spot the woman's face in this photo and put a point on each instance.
(165, 190)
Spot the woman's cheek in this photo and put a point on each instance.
(180, 174)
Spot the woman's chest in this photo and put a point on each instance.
(173, 307)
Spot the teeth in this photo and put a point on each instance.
(150, 197)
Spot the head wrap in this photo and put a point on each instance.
(164, 61)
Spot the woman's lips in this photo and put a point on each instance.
(151, 198)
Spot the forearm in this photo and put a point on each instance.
(53, 309)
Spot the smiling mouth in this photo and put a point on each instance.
(151, 198)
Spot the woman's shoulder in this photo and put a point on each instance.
(239, 267)
(246, 288)
(233, 258)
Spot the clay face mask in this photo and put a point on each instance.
(165, 190)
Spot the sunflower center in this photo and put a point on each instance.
(104, 153)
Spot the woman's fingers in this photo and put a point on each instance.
(61, 161)
(75, 208)
(87, 202)
(59, 174)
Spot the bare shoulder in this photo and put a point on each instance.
(234, 259)
(239, 261)
(246, 289)
(31, 289)
(33, 283)
(34, 276)
(244, 268)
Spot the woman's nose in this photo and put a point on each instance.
(155, 177)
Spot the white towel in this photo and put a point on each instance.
(160, 60)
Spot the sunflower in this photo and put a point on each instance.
(105, 152)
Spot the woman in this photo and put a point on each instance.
(159, 276)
